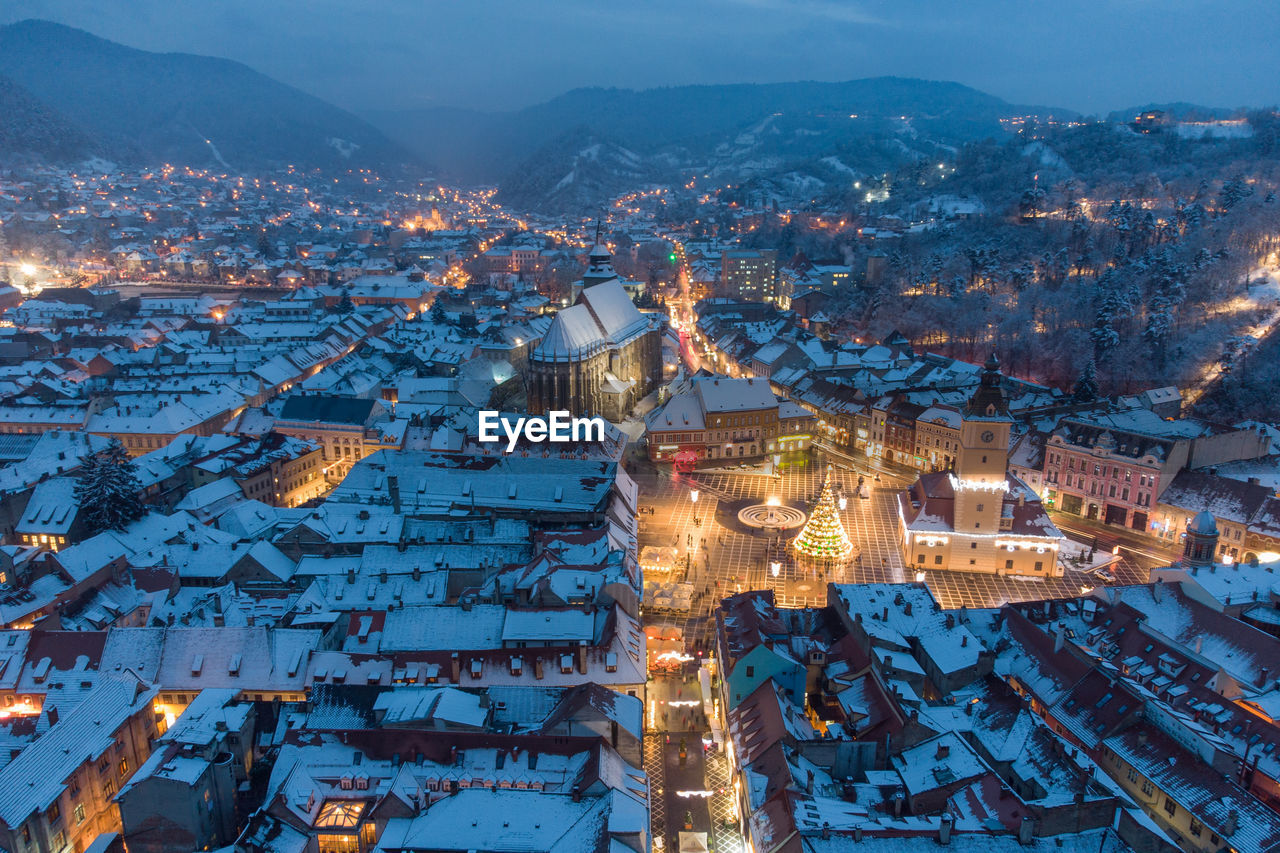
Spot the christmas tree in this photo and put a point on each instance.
(108, 489)
(823, 535)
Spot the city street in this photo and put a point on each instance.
(679, 791)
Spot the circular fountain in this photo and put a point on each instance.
(771, 516)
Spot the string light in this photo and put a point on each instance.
(824, 535)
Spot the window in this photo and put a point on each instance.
(1039, 565)
(751, 671)
(334, 843)
(1132, 775)
(980, 507)
(974, 546)
(920, 558)
(937, 560)
(124, 766)
(340, 813)
(79, 813)
(1147, 787)
(1008, 564)
(1196, 827)
(108, 789)
(55, 812)
(1170, 807)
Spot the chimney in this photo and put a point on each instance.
(826, 830)
(417, 573)
(944, 751)
(53, 717)
(351, 575)
(944, 829)
(1262, 676)
(456, 664)
(582, 657)
(577, 794)
(393, 487)
(1026, 831)
(1231, 824)
(857, 834)
(808, 784)
(1059, 637)
(964, 641)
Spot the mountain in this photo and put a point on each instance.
(576, 171)
(28, 128)
(847, 129)
(139, 106)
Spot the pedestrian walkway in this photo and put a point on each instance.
(725, 833)
(655, 770)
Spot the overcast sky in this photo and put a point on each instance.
(1089, 55)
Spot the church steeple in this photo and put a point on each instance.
(599, 263)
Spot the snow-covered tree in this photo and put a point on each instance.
(108, 490)
(1086, 387)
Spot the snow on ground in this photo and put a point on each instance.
(1264, 286)
(1075, 557)
(1046, 155)
(1229, 129)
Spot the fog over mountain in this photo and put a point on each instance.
(173, 107)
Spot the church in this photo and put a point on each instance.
(600, 356)
(979, 517)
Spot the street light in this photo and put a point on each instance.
(844, 502)
(693, 495)
(775, 568)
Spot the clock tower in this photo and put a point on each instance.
(981, 470)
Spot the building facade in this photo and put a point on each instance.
(719, 418)
(750, 274)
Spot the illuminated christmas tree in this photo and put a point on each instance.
(823, 535)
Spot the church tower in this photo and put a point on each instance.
(599, 264)
(981, 470)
